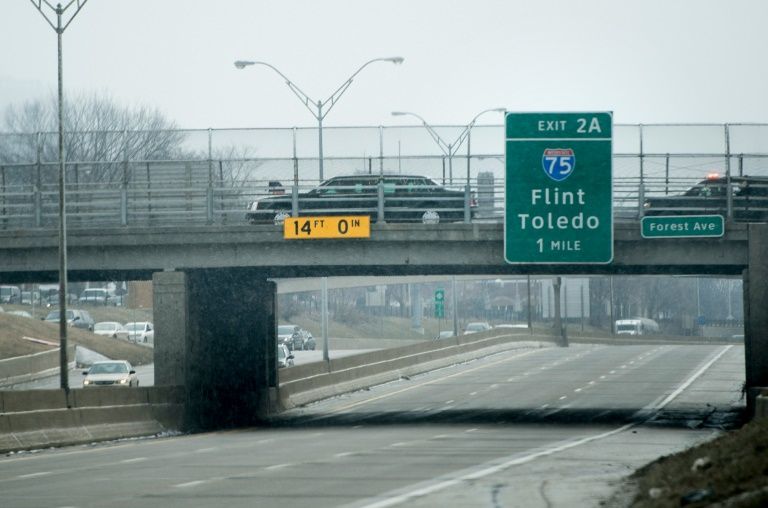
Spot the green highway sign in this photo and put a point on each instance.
(558, 198)
(439, 303)
(682, 226)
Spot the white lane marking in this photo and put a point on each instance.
(472, 430)
(344, 454)
(545, 406)
(493, 386)
(35, 475)
(277, 466)
(189, 484)
(693, 378)
(133, 461)
(206, 450)
(612, 372)
(602, 377)
(449, 401)
(426, 383)
(481, 471)
(591, 382)
(510, 379)
(623, 366)
(577, 390)
(563, 397)
(472, 394)
(264, 441)
(399, 444)
(440, 436)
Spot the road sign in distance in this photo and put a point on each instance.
(682, 226)
(315, 228)
(558, 193)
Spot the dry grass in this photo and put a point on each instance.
(13, 329)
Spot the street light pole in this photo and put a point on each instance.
(450, 149)
(318, 108)
(59, 27)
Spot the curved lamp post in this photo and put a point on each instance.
(450, 149)
(319, 108)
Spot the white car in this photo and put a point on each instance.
(111, 329)
(140, 331)
(110, 373)
(284, 357)
(476, 327)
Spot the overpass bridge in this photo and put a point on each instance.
(215, 298)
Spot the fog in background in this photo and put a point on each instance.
(651, 61)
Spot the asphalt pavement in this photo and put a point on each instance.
(543, 427)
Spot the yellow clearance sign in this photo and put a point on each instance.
(313, 228)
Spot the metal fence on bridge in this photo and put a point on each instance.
(212, 175)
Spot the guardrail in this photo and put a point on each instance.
(183, 192)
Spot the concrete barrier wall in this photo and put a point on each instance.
(311, 382)
(37, 418)
(25, 368)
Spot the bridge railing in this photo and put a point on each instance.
(148, 193)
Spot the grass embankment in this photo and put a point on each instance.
(16, 330)
(729, 471)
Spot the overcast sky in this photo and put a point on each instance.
(648, 61)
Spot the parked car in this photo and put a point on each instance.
(94, 296)
(10, 294)
(111, 329)
(20, 313)
(478, 326)
(110, 373)
(407, 198)
(749, 199)
(75, 317)
(140, 331)
(309, 341)
(284, 357)
(285, 335)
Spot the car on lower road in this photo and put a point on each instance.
(477, 326)
(284, 357)
(75, 317)
(117, 373)
(406, 198)
(140, 331)
(111, 329)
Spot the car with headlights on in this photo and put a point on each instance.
(748, 198)
(117, 373)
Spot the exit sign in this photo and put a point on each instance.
(558, 189)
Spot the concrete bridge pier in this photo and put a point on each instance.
(756, 314)
(215, 335)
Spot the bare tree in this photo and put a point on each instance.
(98, 132)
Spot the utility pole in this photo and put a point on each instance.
(60, 26)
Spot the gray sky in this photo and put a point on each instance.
(648, 61)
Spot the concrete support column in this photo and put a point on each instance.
(215, 332)
(170, 314)
(756, 313)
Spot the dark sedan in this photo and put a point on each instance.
(406, 198)
(749, 199)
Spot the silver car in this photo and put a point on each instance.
(111, 329)
(284, 357)
(110, 373)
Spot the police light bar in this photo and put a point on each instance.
(713, 175)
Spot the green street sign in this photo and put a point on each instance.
(439, 310)
(682, 226)
(439, 295)
(559, 205)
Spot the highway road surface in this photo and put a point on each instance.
(543, 427)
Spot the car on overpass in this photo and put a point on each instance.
(749, 199)
(407, 198)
